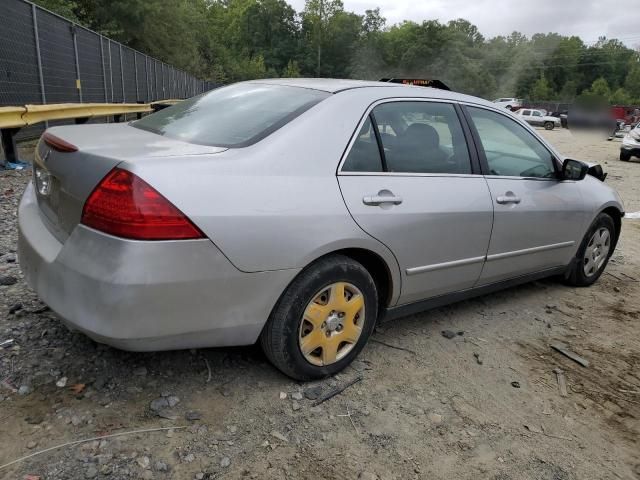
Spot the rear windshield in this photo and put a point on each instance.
(234, 116)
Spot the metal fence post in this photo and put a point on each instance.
(135, 67)
(43, 95)
(111, 72)
(124, 98)
(146, 74)
(75, 51)
(104, 73)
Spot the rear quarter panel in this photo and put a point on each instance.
(277, 204)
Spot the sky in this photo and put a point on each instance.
(588, 19)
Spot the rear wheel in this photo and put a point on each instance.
(594, 252)
(625, 156)
(548, 125)
(323, 319)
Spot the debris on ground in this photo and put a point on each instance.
(477, 357)
(15, 308)
(563, 349)
(390, 345)
(336, 391)
(562, 382)
(8, 280)
(279, 436)
(313, 393)
(77, 388)
(192, 416)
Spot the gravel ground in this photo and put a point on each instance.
(483, 404)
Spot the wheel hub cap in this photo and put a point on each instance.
(597, 252)
(331, 323)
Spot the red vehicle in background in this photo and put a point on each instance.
(629, 114)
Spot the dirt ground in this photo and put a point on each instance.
(425, 407)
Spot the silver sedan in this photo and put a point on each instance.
(298, 213)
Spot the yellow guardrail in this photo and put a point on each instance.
(171, 101)
(12, 117)
(17, 117)
(41, 113)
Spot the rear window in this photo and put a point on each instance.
(234, 116)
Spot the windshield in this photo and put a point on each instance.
(234, 116)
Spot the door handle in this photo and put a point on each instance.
(508, 197)
(376, 200)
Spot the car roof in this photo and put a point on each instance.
(331, 85)
(335, 85)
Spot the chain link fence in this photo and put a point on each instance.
(45, 58)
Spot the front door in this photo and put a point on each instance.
(538, 220)
(408, 181)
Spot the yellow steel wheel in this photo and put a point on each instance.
(331, 323)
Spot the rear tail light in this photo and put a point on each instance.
(58, 144)
(126, 206)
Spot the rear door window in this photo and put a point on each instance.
(422, 137)
(364, 155)
(235, 116)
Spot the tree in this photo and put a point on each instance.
(292, 70)
(620, 97)
(231, 40)
(541, 90)
(600, 88)
(632, 81)
(66, 8)
(597, 95)
(373, 22)
(316, 16)
(568, 91)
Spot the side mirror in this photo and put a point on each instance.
(574, 170)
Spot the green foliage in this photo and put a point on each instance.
(632, 81)
(292, 70)
(66, 8)
(597, 95)
(620, 97)
(232, 40)
(541, 89)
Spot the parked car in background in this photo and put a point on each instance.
(250, 214)
(538, 118)
(509, 103)
(630, 144)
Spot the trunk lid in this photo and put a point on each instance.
(72, 176)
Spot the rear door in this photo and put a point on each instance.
(538, 219)
(410, 181)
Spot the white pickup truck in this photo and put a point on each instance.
(538, 118)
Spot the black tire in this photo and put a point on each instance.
(625, 156)
(509, 107)
(576, 276)
(549, 126)
(280, 336)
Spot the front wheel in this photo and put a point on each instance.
(323, 319)
(549, 125)
(625, 156)
(594, 252)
